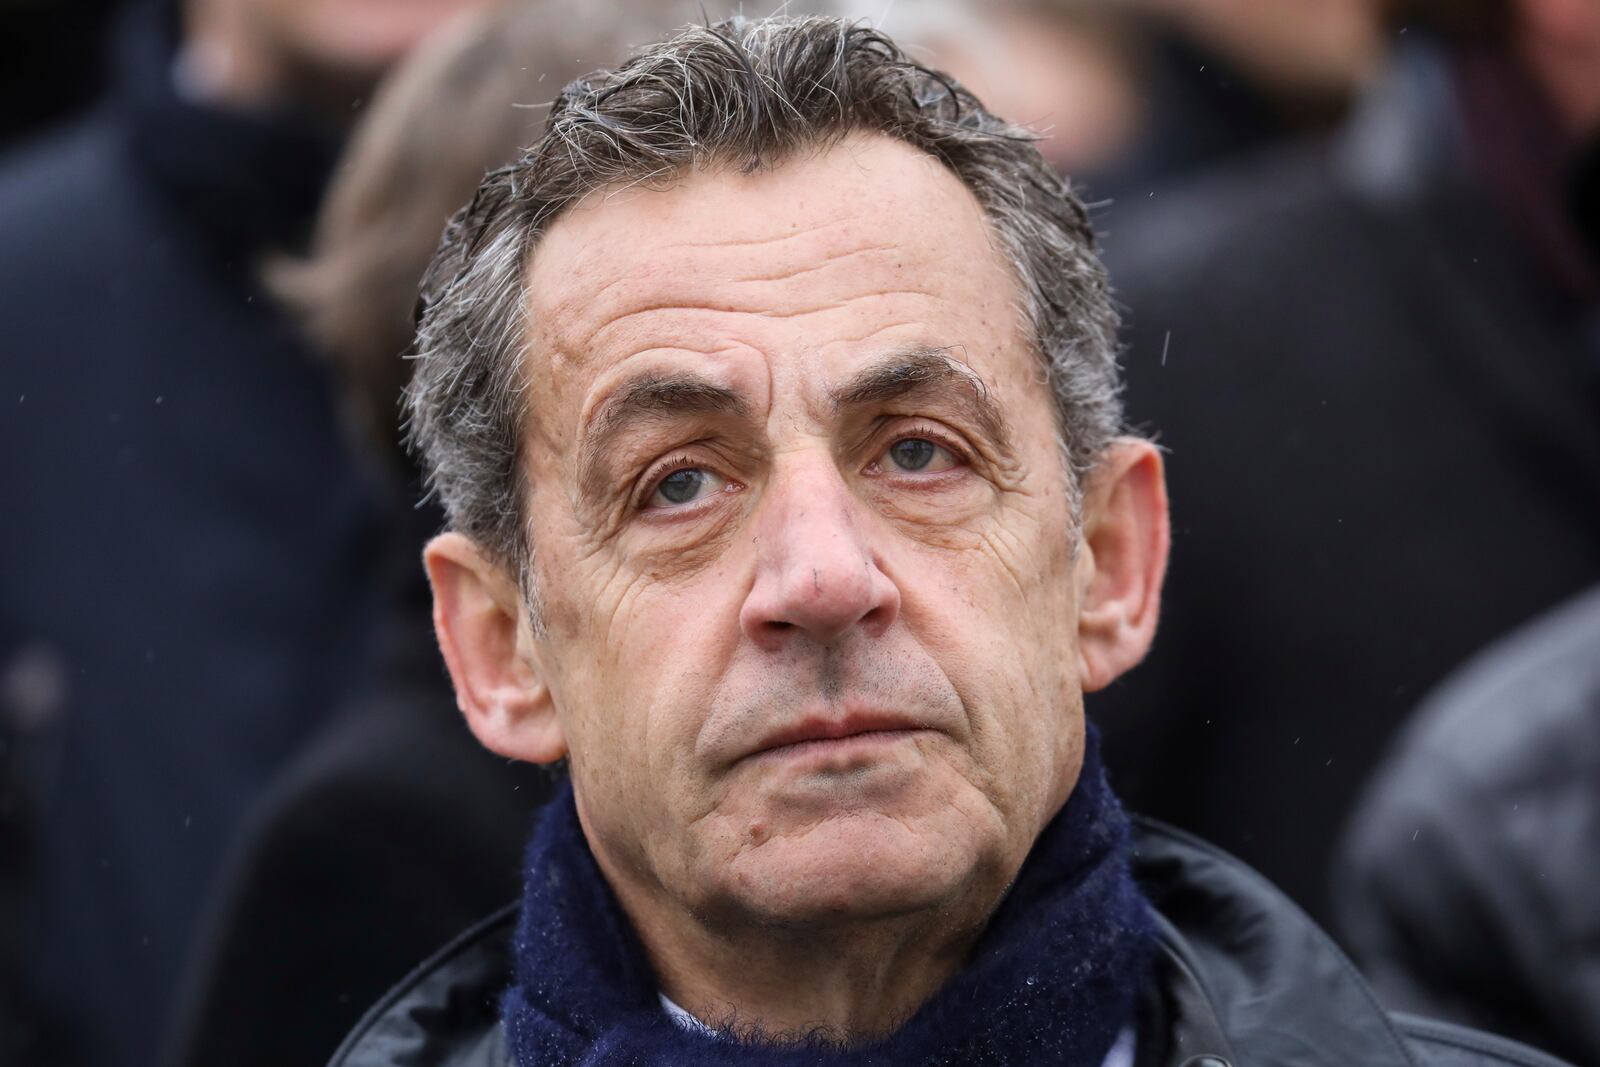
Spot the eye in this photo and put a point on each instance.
(684, 486)
(914, 455)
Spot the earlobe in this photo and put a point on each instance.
(489, 650)
(1124, 560)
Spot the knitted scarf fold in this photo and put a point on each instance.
(1052, 980)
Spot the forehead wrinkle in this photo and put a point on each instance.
(652, 260)
(798, 233)
(772, 277)
(578, 330)
(830, 259)
(651, 396)
(919, 370)
(732, 308)
(692, 276)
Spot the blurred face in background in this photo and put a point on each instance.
(1067, 74)
(1559, 42)
(364, 35)
(1294, 47)
(1076, 70)
(328, 54)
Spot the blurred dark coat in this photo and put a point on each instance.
(1384, 424)
(184, 552)
(393, 832)
(1467, 887)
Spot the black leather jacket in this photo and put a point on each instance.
(1244, 979)
(1466, 884)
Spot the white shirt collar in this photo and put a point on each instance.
(1121, 1054)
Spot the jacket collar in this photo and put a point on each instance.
(1053, 978)
(1244, 977)
(1247, 977)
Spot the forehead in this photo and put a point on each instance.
(809, 266)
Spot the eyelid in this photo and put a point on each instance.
(896, 428)
(923, 430)
(658, 472)
(655, 474)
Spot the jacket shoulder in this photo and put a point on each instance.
(1548, 672)
(1275, 986)
(446, 1013)
(56, 177)
(1441, 1044)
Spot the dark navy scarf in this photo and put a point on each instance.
(1052, 981)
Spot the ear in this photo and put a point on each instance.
(1121, 561)
(489, 648)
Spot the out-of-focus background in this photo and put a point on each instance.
(1357, 246)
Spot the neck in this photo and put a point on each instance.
(1054, 976)
(846, 982)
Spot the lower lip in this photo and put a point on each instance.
(863, 745)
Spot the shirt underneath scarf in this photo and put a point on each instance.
(1053, 980)
(1121, 1054)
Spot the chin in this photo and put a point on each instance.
(856, 866)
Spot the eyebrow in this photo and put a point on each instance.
(922, 371)
(906, 374)
(647, 398)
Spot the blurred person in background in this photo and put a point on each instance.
(186, 575)
(1410, 310)
(1128, 92)
(1466, 885)
(1068, 69)
(1226, 77)
(394, 829)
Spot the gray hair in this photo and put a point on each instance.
(747, 94)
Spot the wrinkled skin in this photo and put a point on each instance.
(776, 539)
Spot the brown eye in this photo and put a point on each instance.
(913, 455)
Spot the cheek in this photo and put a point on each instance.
(1000, 619)
(634, 730)
(638, 669)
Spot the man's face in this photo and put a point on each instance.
(803, 538)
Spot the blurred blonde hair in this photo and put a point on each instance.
(466, 102)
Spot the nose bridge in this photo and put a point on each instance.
(816, 569)
(811, 537)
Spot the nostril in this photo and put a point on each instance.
(878, 619)
(772, 632)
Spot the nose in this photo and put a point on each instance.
(816, 572)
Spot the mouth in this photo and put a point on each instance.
(819, 736)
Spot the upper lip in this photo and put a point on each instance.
(832, 728)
